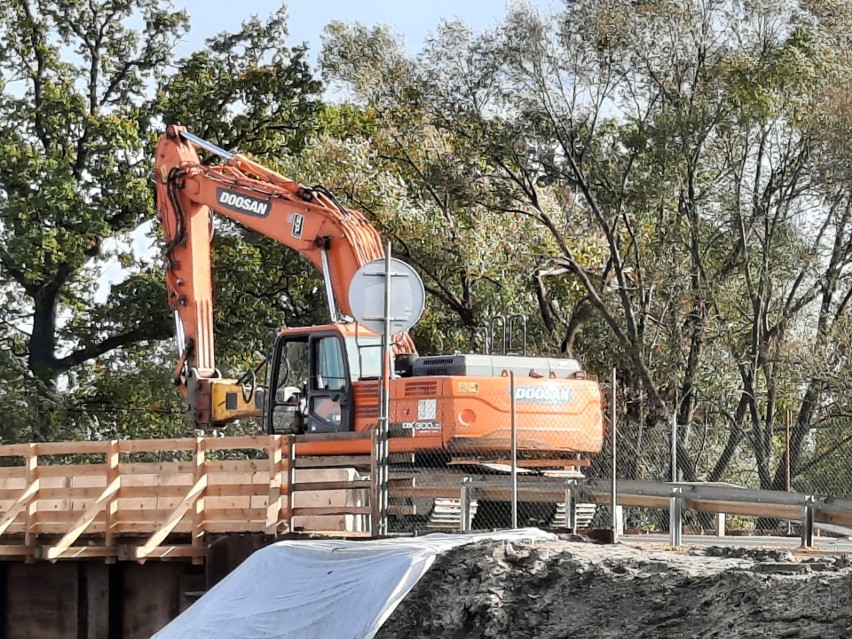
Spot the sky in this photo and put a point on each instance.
(411, 19)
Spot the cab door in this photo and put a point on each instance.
(311, 387)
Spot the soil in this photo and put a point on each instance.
(575, 589)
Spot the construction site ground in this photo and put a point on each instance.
(572, 587)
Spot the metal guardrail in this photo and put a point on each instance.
(719, 498)
(809, 509)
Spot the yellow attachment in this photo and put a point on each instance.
(228, 401)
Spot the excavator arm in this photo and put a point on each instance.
(336, 240)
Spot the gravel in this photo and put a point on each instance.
(574, 589)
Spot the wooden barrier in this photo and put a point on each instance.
(148, 499)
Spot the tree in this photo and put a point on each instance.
(684, 142)
(85, 93)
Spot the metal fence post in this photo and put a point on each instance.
(674, 444)
(676, 519)
(571, 506)
(808, 522)
(464, 503)
(514, 451)
(384, 404)
(614, 428)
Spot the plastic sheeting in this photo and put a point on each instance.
(319, 589)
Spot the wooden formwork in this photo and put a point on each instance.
(147, 499)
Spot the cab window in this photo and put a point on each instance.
(330, 368)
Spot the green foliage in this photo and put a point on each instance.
(667, 166)
(85, 94)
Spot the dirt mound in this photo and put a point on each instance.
(559, 589)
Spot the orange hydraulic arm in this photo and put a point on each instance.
(338, 241)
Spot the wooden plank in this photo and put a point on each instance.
(13, 550)
(33, 475)
(156, 445)
(337, 461)
(46, 449)
(155, 468)
(274, 500)
(181, 479)
(291, 480)
(237, 479)
(153, 517)
(71, 470)
(238, 442)
(177, 468)
(15, 450)
(111, 505)
(79, 552)
(375, 488)
(235, 526)
(175, 516)
(56, 493)
(163, 504)
(66, 517)
(339, 534)
(129, 553)
(60, 528)
(20, 504)
(238, 490)
(332, 510)
(235, 514)
(332, 437)
(237, 465)
(332, 485)
(198, 506)
(154, 491)
(88, 517)
(252, 501)
(148, 528)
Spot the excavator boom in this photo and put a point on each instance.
(336, 240)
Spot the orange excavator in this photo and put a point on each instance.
(326, 378)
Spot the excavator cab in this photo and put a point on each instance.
(311, 376)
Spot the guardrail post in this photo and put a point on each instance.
(808, 512)
(464, 503)
(720, 527)
(676, 519)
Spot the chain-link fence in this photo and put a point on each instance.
(514, 446)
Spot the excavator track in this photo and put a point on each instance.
(430, 502)
(446, 513)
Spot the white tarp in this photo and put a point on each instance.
(319, 589)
